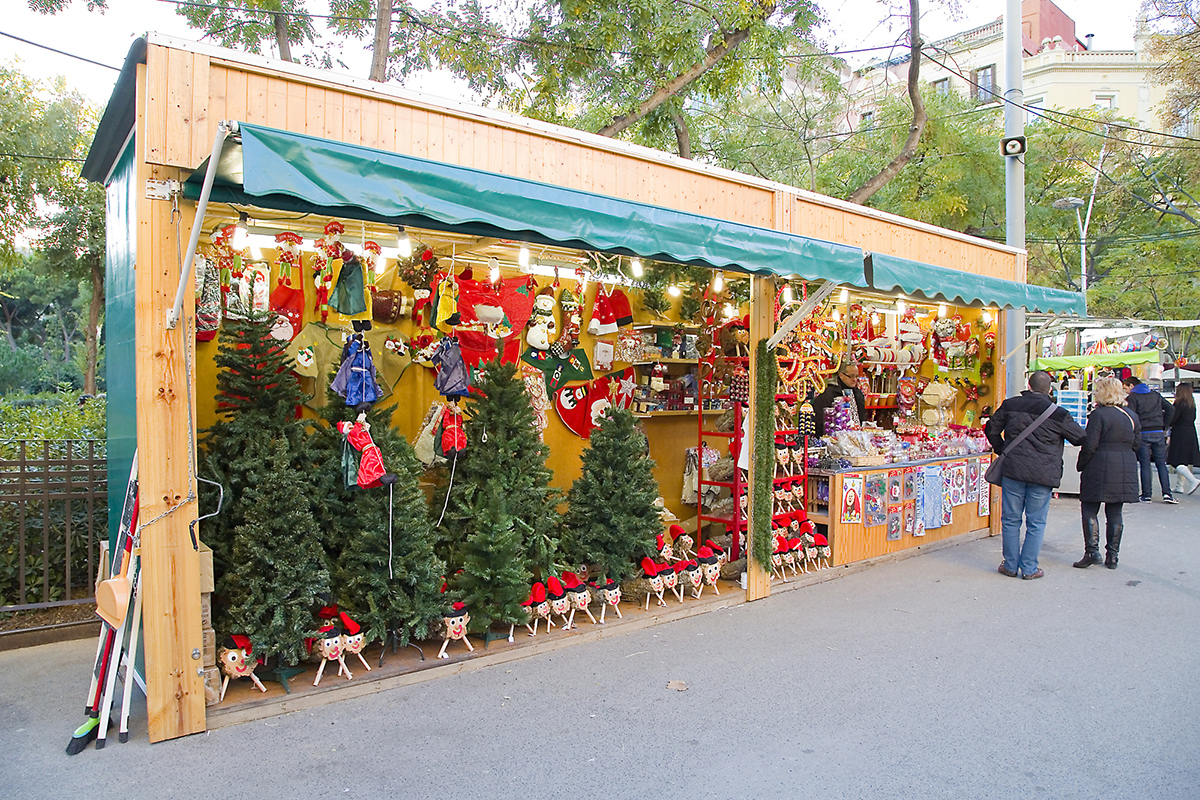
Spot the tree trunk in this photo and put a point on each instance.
(864, 193)
(683, 136)
(92, 344)
(680, 82)
(281, 37)
(383, 41)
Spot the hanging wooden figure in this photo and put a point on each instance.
(579, 596)
(456, 619)
(612, 597)
(329, 646)
(236, 662)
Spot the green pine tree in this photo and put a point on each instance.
(257, 396)
(503, 447)
(611, 517)
(492, 580)
(279, 565)
(407, 598)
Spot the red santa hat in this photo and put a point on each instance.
(660, 542)
(781, 544)
(691, 565)
(618, 303)
(537, 595)
(706, 556)
(239, 642)
(794, 544)
(676, 531)
(819, 540)
(554, 588)
(352, 628)
(608, 585)
(572, 582)
(456, 610)
(649, 568)
(330, 631)
(716, 548)
(604, 320)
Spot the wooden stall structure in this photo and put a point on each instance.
(159, 128)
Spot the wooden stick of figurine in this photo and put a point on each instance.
(579, 596)
(670, 580)
(329, 645)
(655, 586)
(711, 566)
(691, 568)
(612, 597)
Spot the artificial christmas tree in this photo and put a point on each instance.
(492, 581)
(611, 517)
(279, 565)
(503, 447)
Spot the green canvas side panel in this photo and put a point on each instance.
(120, 353)
(1099, 360)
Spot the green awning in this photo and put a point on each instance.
(1099, 360)
(937, 283)
(291, 171)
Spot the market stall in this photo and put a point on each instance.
(435, 238)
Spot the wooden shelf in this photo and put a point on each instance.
(691, 361)
(682, 412)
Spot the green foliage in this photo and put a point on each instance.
(503, 448)
(248, 24)
(766, 381)
(611, 517)
(55, 417)
(279, 568)
(492, 580)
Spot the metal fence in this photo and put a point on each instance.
(53, 521)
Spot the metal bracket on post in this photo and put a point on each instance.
(224, 128)
(799, 315)
(161, 190)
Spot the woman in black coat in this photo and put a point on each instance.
(1183, 451)
(1109, 466)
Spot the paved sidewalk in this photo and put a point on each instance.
(932, 677)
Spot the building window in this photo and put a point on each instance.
(1033, 109)
(1104, 100)
(942, 87)
(868, 118)
(985, 84)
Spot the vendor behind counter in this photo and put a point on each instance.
(845, 383)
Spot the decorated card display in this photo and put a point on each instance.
(933, 496)
(580, 407)
(852, 499)
(918, 501)
(910, 483)
(973, 480)
(958, 483)
(876, 499)
(895, 486)
(895, 522)
(909, 510)
(985, 494)
(947, 489)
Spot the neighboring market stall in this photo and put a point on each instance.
(332, 203)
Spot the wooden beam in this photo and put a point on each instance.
(762, 325)
(165, 433)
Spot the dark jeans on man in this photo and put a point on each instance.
(1154, 450)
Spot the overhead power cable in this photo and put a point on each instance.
(60, 52)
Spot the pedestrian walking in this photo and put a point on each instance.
(1183, 451)
(1154, 412)
(1108, 467)
(1031, 470)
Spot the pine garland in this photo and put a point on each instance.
(763, 467)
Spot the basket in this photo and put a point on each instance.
(867, 461)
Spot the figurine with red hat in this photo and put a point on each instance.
(236, 662)
(655, 586)
(353, 638)
(538, 607)
(612, 596)
(329, 645)
(694, 574)
(809, 548)
(663, 545)
(682, 541)
(720, 552)
(579, 596)
(711, 566)
(670, 579)
(781, 546)
(456, 618)
(559, 602)
(824, 551)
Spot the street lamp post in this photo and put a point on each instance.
(1066, 204)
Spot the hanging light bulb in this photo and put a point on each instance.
(635, 267)
(241, 234)
(523, 257)
(787, 295)
(986, 316)
(718, 282)
(837, 315)
(941, 309)
(674, 290)
(901, 307)
(494, 269)
(404, 244)
(730, 311)
(844, 297)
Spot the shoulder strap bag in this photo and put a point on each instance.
(995, 472)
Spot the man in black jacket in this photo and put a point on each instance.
(845, 383)
(1031, 470)
(1155, 414)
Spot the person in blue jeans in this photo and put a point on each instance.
(1155, 414)
(1031, 470)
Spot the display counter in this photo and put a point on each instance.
(871, 511)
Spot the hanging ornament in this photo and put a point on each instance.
(370, 260)
(288, 244)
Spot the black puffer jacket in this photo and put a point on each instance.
(1151, 408)
(1038, 459)
(1108, 461)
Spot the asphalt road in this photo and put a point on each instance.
(932, 677)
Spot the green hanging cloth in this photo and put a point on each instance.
(348, 296)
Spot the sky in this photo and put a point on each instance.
(105, 38)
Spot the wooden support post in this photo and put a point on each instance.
(762, 323)
(165, 435)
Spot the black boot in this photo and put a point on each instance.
(1091, 542)
(1113, 535)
